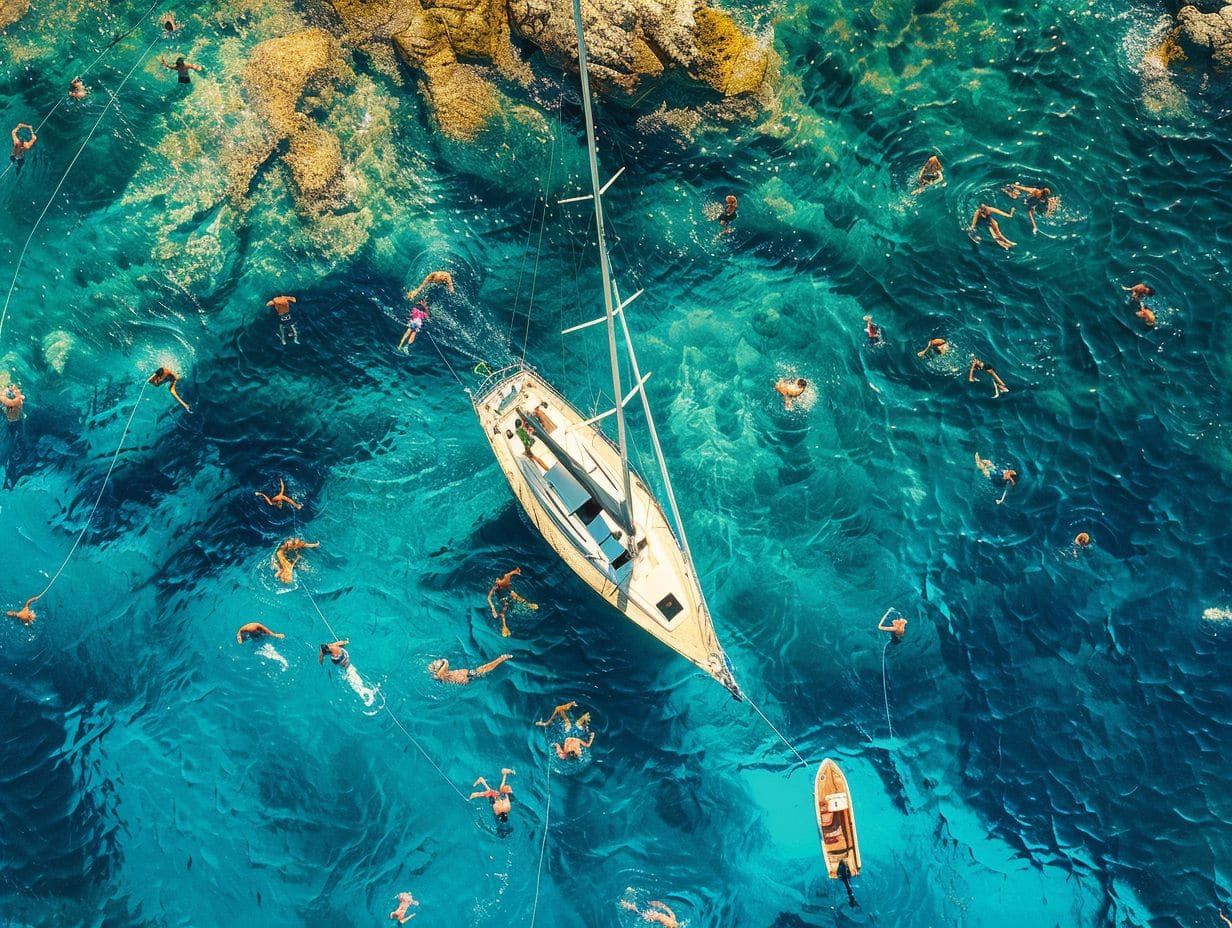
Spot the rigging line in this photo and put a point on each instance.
(385, 706)
(446, 360)
(782, 737)
(885, 690)
(547, 820)
(543, 221)
(98, 499)
(29, 238)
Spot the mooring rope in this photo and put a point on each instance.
(884, 688)
(547, 820)
(782, 737)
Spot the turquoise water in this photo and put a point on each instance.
(1059, 722)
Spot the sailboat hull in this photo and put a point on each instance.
(566, 481)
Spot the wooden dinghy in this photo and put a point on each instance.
(836, 820)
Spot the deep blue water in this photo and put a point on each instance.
(1060, 718)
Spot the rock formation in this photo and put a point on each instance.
(1207, 36)
(11, 11)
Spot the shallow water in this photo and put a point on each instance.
(1059, 718)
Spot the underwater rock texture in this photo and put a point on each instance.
(1207, 34)
(11, 11)
(628, 41)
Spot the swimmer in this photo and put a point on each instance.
(728, 215)
(985, 214)
(162, 376)
(526, 433)
(929, 174)
(897, 626)
(12, 400)
(656, 912)
(872, 330)
(283, 566)
(181, 67)
(998, 385)
(286, 318)
(1035, 197)
(1138, 292)
(1007, 477)
(790, 389)
(414, 325)
(405, 901)
(572, 747)
(503, 588)
(501, 798)
(77, 89)
(443, 278)
(1146, 314)
(21, 146)
(254, 630)
(169, 23)
(25, 613)
(563, 711)
(337, 653)
(439, 669)
(940, 344)
(1082, 539)
(280, 497)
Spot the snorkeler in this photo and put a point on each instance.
(656, 912)
(12, 400)
(790, 389)
(439, 669)
(985, 214)
(897, 626)
(563, 711)
(21, 146)
(998, 385)
(162, 376)
(872, 330)
(1007, 477)
(501, 798)
(728, 215)
(286, 318)
(77, 89)
(1082, 539)
(940, 344)
(1035, 198)
(280, 497)
(929, 174)
(25, 613)
(283, 566)
(503, 588)
(405, 900)
(435, 277)
(337, 653)
(254, 630)
(526, 432)
(181, 67)
(414, 325)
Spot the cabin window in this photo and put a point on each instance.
(589, 511)
(670, 606)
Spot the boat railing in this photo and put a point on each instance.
(497, 376)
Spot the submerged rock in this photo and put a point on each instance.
(1207, 35)
(11, 11)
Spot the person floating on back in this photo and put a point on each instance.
(728, 215)
(286, 318)
(254, 630)
(25, 613)
(501, 798)
(872, 330)
(790, 389)
(405, 901)
(1035, 198)
(572, 746)
(929, 174)
(181, 67)
(998, 385)
(940, 344)
(442, 278)
(439, 669)
(502, 587)
(418, 319)
(166, 375)
(1006, 478)
(283, 566)
(12, 400)
(280, 497)
(77, 89)
(1137, 293)
(897, 627)
(21, 146)
(656, 912)
(985, 214)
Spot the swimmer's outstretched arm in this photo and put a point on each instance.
(881, 626)
(266, 498)
(1001, 212)
(971, 373)
(975, 220)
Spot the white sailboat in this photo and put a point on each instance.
(577, 487)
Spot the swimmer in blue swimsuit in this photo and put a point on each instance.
(1002, 478)
(337, 653)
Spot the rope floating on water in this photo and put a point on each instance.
(547, 821)
(29, 238)
(782, 737)
(884, 689)
(93, 509)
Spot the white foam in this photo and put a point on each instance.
(268, 652)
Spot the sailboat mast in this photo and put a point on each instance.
(609, 310)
